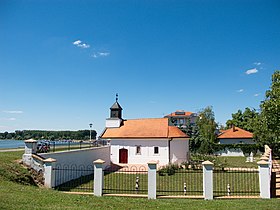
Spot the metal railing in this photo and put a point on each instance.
(74, 178)
(55, 146)
(236, 182)
(182, 182)
(227, 182)
(126, 180)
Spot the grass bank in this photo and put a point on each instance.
(16, 192)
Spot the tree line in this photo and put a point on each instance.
(264, 123)
(49, 135)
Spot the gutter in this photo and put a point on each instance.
(169, 149)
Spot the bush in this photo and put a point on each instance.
(169, 169)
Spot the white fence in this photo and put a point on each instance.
(100, 157)
(46, 162)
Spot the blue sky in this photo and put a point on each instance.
(62, 62)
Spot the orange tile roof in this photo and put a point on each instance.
(235, 133)
(144, 128)
(174, 113)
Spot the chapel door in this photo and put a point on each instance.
(123, 155)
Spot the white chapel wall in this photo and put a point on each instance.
(179, 149)
(147, 150)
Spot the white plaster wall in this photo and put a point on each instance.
(80, 157)
(179, 150)
(77, 159)
(147, 150)
(237, 141)
(230, 152)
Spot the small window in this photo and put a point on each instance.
(181, 121)
(156, 150)
(138, 150)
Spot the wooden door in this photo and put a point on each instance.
(123, 155)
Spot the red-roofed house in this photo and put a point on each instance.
(139, 141)
(234, 135)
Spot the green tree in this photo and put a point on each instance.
(243, 120)
(267, 126)
(204, 133)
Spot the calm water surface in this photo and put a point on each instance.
(11, 144)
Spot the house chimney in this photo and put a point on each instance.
(233, 128)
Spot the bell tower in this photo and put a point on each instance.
(115, 115)
(116, 109)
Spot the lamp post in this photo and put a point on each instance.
(90, 127)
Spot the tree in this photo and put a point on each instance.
(204, 133)
(243, 120)
(267, 126)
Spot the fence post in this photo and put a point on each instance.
(207, 180)
(98, 177)
(264, 179)
(30, 148)
(152, 180)
(49, 172)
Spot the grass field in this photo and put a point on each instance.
(238, 162)
(18, 192)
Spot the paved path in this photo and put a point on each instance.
(275, 179)
(11, 150)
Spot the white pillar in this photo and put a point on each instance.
(152, 180)
(30, 148)
(207, 180)
(49, 173)
(98, 177)
(264, 179)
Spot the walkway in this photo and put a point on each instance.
(275, 179)
(11, 150)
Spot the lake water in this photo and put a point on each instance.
(11, 144)
(20, 143)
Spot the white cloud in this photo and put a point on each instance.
(84, 45)
(94, 55)
(79, 43)
(100, 54)
(104, 54)
(13, 111)
(257, 63)
(240, 90)
(251, 71)
(257, 94)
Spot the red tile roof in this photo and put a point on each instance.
(235, 133)
(180, 111)
(144, 128)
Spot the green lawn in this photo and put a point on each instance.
(17, 196)
(238, 162)
(17, 192)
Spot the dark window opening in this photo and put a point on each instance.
(156, 150)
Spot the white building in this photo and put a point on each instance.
(234, 135)
(139, 141)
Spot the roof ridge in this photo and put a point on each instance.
(159, 118)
